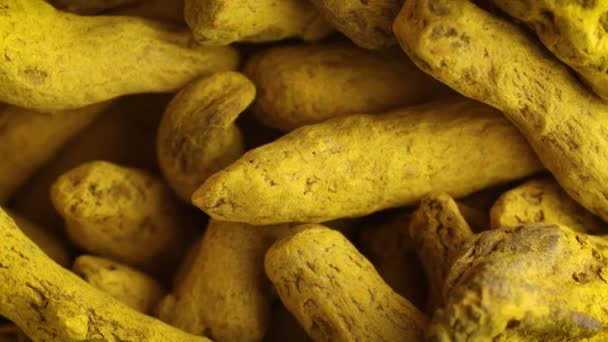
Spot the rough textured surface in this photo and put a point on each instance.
(50, 303)
(118, 212)
(130, 286)
(368, 23)
(221, 22)
(90, 6)
(335, 293)
(223, 293)
(78, 66)
(439, 232)
(496, 62)
(50, 244)
(127, 130)
(576, 31)
(543, 201)
(197, 135)
(306, 84)
(529, 283)
(326, 171)
(30, 139)
(388, 246)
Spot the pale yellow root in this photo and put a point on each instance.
(494, 61)
(306, 84)
(197, 135)
(118, 212)
(357, 165)
(530, 283)
(439, 231)
(50, 303)
(127, 285)
(543, 201)
(223, 292)
(335, 293)
(30, 139)
(221, 22)
(92, 59)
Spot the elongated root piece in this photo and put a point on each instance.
(49, 303)
(494, 61)
(335, 293)
(439, 232)
(92, 59)
(326, 171)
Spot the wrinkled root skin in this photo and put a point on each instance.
(335, 293)
(494, 61)
(49, 303)
(529, 283)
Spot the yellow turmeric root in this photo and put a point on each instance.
(368, 23)
(130, 286)
(439, 231)
(221, 22)
(197, 135)
(92, 59)
(30, 139)
(50, 244)
(121, 213)
(305, 84)
(494, 61)
(542, 201)
(223, 293)
(50, 303)
(335, 293)
(530, 283)
(575, 31)
(127, 130)
(353, 166)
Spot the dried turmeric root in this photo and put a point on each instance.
(120, 213)
(335, 293)
(494, 61)
(339, 168)
(439, 231)
(542, 201)
(92, 59)
(130, 286)
(306, 84)
(529, 283)
(197, 134)
(574, 31)
(30, 139)
(50, 303)
(368, 23)
(222, 293)
(221, 22)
